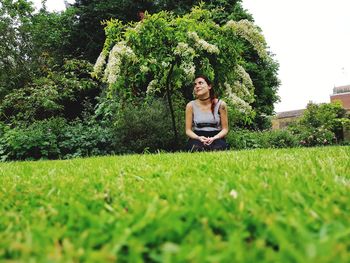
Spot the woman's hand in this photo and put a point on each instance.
(203, 139)
(210, 140)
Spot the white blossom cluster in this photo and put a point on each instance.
(100, 63)
(189, 70)
(137, 28)
(152, 61)
(245, 86)
(152, 86)
(184, 50)
(241, 104)
(249, 32)
(241, 90)
(118, 52)
(165, 64)
(202, 44)
(144, 69)
(187, 55)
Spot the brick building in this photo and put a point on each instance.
(283, 119)
(342, 94)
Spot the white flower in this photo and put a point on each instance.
(100, 62)
(251, 33)
(144, 69)
(189, 70)
(243, 85)
(233, 194)
(184, 50)
(152, 61)
(245, 77)
(119, 51)
(165, 64)
(187, 54)
(152, 87)
(241, 104)
(202, 44)
(137, 28)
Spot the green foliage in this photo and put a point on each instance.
(249, 206)
(330, 116)
(145, 127)
(37, 141)
(61, 93)
(315, 136)
(281, 139)
(55, 138)
(15, 44)
(32, 43)
(85, 138)
(92, 12)
(264, 76)
(246, 139)
(51, 37)
(160, 56)
(321, 124)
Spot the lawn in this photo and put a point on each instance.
(289, 205)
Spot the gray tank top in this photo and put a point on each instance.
(204, 120)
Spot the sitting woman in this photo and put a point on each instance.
(206, 119)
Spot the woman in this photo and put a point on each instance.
(206, 118)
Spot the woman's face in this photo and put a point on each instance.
(201, 87)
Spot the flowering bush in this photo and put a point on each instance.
(160, 56)
(321, 124)
(316, 137)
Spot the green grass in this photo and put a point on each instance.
(289, 205)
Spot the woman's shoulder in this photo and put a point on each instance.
(190, 105)
(219, 102)
(222, 104)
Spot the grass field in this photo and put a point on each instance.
(289, 205)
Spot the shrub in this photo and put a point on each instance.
(37, 141)
(316, 137)
(146, 126)
(55, 139)
(280, 139)
(89, 138)
(245, 139)
(326, 116)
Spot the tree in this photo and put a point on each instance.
(159, 57)
(264, 76)
(63, 92)
(15, 44)
(88, 36)
(51, 33)
(31, 43)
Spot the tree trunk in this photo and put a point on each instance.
(168, 93)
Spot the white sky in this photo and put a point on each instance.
(310, 40)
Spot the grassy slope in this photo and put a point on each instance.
(290, 205)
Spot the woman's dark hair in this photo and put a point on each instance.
(211, 91)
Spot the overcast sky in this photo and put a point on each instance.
(310, 40)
